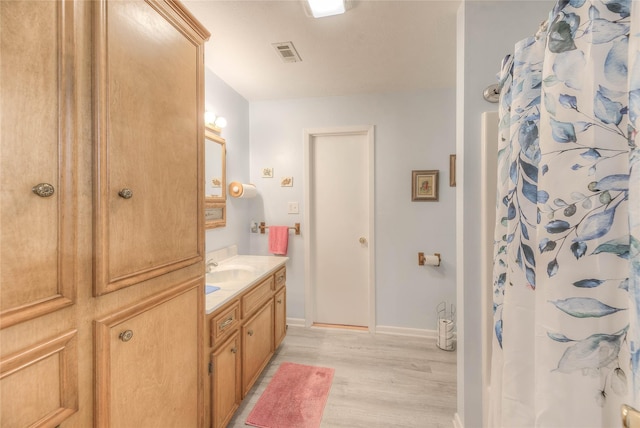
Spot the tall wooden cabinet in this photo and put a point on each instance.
(101, 214)
(38, 213)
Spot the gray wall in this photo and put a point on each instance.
(413, 131)
(224, 101)
(487, 31)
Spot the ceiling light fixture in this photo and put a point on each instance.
(322, 8)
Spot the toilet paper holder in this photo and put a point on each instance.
(429, 260)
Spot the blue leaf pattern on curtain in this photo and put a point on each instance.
(515, 240)
(567, 239)
(631, 249)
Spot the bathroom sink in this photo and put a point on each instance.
(231, 273)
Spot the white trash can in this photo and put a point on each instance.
(446, 326)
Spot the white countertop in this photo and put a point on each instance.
(254, 269)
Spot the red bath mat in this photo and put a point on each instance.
(294, 398)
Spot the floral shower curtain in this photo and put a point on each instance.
(566, 344)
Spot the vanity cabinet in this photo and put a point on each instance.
(243, 336)
(101, 211)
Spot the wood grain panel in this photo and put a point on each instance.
(149, 130)
(280, 278)
(156, 376)
(224, 322)
(226, 388)
(38, 136)
(39, 385)
(257, 296)
(280, 317)
(257, 345)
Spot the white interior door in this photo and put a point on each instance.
(339, 199)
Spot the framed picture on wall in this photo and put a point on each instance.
(424, 185)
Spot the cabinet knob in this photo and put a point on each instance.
(234, 350)
(126, 335)
(279, 300)
(125, 193)
(44, 190)
(250, 332)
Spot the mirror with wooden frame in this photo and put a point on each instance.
(215, 199)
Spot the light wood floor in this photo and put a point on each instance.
(380, 380)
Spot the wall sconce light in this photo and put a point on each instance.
(211, 119)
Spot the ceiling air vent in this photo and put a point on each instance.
(287, 52)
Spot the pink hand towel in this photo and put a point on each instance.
(278, 240)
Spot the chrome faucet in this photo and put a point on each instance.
(210, 265)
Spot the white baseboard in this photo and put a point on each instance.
(383, 329)
(405, 331)
(295, 322)
(457, 423)
(398, 331)
(416, 332)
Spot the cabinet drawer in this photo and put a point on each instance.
(256, 297)
(224, 322)
(281, 277)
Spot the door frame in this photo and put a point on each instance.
(309, 288)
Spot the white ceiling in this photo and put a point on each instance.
(377, 46)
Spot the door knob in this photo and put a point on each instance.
(363, 240)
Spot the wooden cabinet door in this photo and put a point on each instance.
(280, 316)
(226, 387)
(257, 345)
(149, 108)
(37, 171)
(38, 213)
(148, 364)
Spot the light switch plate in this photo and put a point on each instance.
(293, 208)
